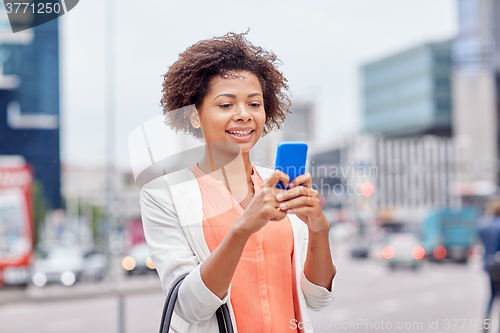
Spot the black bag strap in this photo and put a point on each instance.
(227, 318)
(222, 313)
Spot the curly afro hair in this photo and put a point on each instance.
(187, 81)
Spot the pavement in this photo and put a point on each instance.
(116, 283)
(130, 286)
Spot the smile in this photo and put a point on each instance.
(240, 133)
(241, 136)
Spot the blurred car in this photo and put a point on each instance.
(67, 265)
(449, 234)
(360, 251)
(95, 265)
(403, 249)
(138, 261)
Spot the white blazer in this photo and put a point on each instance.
(171, 208)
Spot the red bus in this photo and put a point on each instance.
(16, 221)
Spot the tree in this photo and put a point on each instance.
(40, 209)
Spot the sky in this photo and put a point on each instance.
(322, 45)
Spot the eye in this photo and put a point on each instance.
(225, 106)
(255, 105)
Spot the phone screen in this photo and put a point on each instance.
(291, 158)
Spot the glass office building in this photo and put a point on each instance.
(409, 93)
(29, 105)
(476, 47)
(476, 78)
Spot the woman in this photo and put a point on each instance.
(212, 222)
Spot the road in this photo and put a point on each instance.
(369, 298)
(437, 298)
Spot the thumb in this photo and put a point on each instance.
(275, 177)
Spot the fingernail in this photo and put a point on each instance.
(291, 185)
(283, 206)
(279, 197)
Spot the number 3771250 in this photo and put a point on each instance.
(26, 7)
(455, 324)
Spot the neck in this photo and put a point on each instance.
(214, 160)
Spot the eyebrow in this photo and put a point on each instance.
(234, 96)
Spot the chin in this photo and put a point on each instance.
(247, 146)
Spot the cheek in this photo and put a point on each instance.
(213, 123)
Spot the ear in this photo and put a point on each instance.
(195, 120)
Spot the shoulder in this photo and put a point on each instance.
(160, 190)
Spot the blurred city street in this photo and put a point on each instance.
(366, 290)
(84, 307)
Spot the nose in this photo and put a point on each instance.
(242, 114)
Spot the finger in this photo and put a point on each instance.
(275, 177)
(301, 211)
(298, 202)
(295, 192)
(280, 215)
(304, 179)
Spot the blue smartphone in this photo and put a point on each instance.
(291, 159)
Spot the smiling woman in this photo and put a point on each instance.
(187, 80)
(222, 223)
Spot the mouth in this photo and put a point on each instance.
(241, 135)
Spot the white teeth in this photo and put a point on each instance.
(240, 133)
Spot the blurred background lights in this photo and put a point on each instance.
(150, 264)
(440, 252)
(388, 252)
(68, 278)
(128, 263)
(39, 279)
(418, 252)
(367, 189)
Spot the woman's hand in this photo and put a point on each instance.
(304, 202)
(264, 206)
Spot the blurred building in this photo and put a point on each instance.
(409, 93)
(88, 186)
(404, 163)
(476, 59)
(84, 190)
(365, 176)
(29, 101)
(299, 125)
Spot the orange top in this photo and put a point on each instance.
(261, 287)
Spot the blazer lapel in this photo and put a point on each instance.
(187, 200)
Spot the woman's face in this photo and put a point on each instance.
(233, 110)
